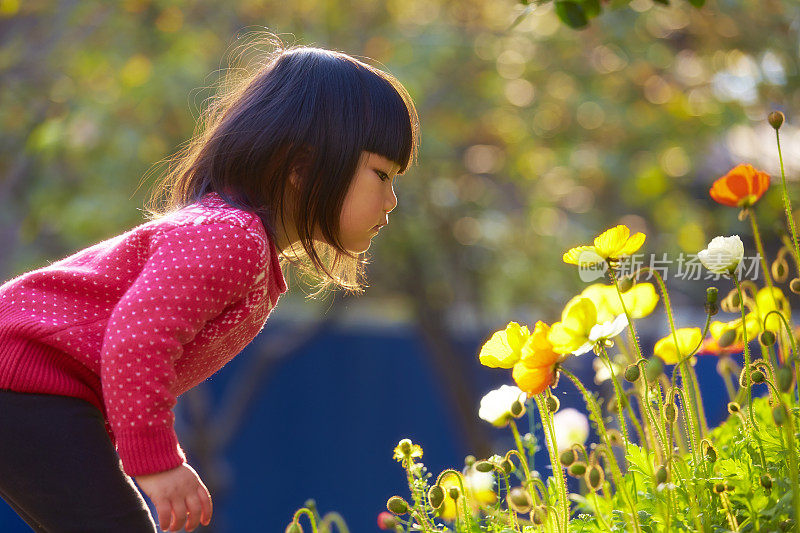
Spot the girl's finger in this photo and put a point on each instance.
(205, 502)
(164, 510)
(194, 510)
(178, 515)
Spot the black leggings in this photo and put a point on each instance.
(59, 470)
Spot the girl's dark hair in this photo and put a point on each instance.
(307, 111)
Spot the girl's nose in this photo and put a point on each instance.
(391, 201)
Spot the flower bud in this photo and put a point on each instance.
(453, 492)
(397, 505)
(577, 469)
(386, 521)
(767, 338)
(653, 369)
(614, 405)
(734, 407)
(436, 496)
(727, 338)
(794, 285)
(709, 452)
(625, 284)
(779, 414)
(712, 295)
(734, 300)
(519, 500)
(785, 377)
(469, 460)
(632, 373)
(719, 488)
(484, 466)
(517, 409)
(507, 466)
(552, 403)
(404, 446)
(539, 515)
(776, 119)
(766, 482)
(294, 527)
(780, 270)
(661, 475)
(614, 437)
(670, 413)
(711, 309)
(594, 477)
(757, 376)
(567, 457)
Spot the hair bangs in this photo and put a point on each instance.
(390, 123)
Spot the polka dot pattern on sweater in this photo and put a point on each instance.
(152, 313)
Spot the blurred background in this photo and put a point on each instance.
(535, 138)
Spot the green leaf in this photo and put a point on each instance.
(571, 13)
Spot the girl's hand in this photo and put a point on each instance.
(180, 497)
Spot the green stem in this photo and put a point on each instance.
(620, 396)
(591, 403)
(746, 383)
(562, 514)
(522, 459)
(760, 248)
(307, 512)
(631, 325)
(787, 205)
(793, 466)
(598, 514)
(691, 406)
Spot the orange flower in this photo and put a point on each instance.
(537, 368)
(741, 187)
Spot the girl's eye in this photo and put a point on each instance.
(382, 175)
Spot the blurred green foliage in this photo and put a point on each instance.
(534, 136)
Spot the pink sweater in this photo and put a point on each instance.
(132, 322)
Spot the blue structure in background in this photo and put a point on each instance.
(326, 420)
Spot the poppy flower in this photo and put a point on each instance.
(688, 341)
(505, 347)
(612, 245)
(536, 370)
(741, 187)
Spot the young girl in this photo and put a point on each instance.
(296, 163)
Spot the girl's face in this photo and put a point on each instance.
(368, 202)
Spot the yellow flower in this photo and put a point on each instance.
(767, 302)
(612, 244)
(571, 335)
(640, 300)
(688, 340)
(536, 370)
(479, 487)
(505, 347)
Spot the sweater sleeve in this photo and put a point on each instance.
(194, 273)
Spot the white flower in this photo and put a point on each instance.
(571, 427)
(723, 254)
(496, 405)
(609, 329)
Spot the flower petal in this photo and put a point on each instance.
(611, 240)
(582, 256)
(633, 243)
